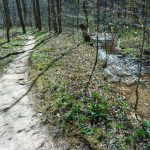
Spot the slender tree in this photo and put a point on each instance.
(97, 46)
(59, 15)
(24, 8)
(141, 56)
(35, 13)
(78, 13)
(10, 22)
(7, 23)
(38, 13)
(54, 16)
(20, 16)
(49, 14)
(86, 12)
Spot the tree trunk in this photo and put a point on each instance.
(59, 15)
(141, 57)
(78, 13)
(38, 15)
(23, 2)
(35, 13)
(85, 12)
(49, 14)
(20, 16)
(9, 18)
(7, 23)
(54, 17)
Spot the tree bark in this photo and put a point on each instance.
(78, 13)
(86, 12)
(35, 13)
(20, 16)
(59, 15)
(38, 15)
(141, 57)
(9, 18)
(49, 14)
(23, 2)
(6, 12)
(54, 17)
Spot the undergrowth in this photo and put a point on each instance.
(131, 41)
(102, 118)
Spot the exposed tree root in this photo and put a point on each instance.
(38, 76)
(43, 41)
(11, 54)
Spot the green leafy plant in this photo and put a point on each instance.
(73, 114)
(98, 111)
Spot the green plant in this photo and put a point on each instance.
(98, 111)
(140, 133)
(73, 114)
(88, 130)
(129, 139)
(96, 96)
(146, 123)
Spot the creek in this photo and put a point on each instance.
(119, 67)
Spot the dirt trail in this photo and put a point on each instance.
(19, 126)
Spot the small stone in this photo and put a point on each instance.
(39, 114)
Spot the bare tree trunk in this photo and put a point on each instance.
(35, 13)
(9, 18)
(86, 12)
(49, 14)
(6, 11)
(54, 16)
(30, 18)
(23, 2)
(20, 16)
(2, 14)
(78, 13)
(141, 58)
(96, 57)
(59, 15)
(38, 15)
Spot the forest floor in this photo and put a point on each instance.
(19, 124)
(59, 67)
(101, 119)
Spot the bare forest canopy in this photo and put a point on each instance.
(70, 13)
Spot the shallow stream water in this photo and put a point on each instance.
(119, 67)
